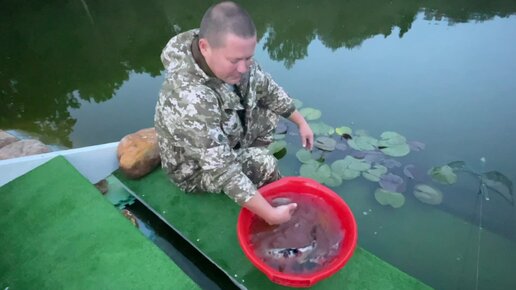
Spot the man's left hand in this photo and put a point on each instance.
(307, 136)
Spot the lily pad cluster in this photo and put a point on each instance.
(364, 155)
(341, 154)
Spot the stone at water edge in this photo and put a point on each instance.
(23, 148)
(130, 216)
(138, 153)
(102, 186)
(6, 138)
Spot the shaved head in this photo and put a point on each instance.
(225, 18)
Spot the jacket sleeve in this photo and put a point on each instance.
(192, 120)
(270, 95)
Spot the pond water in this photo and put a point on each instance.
(80, 73)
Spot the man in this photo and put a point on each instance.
(217, 112)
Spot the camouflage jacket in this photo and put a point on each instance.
(197, 122)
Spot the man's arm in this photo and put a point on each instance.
(191, 120)
(277, 100)
(305, 132)
(272, 215)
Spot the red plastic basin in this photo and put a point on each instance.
(305, 186)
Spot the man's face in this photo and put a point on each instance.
(231, 60)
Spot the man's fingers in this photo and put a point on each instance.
(292, 207)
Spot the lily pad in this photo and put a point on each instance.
(320, 128)
(280, 154)
(409, 171)
(416, 145)
(325, 143)
(443, 174)
(341, 146)
(359, 154)
(500, 184)
(277, 146)
(334, 180)
(281, 128)
(316, 171)
(348, 174)
(457, 165)
(343, 130)
(385, 197)
(392, 138)
(310, 113)
(363, 143)
(349, 167)
(374, 174)
(359, 165)
(304, 155)
(298, 103)
(392, 182)
(390, 163)
(396, 150)
(393, 144)
(373, 156)
(427, 194)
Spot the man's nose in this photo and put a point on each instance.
(242, 66)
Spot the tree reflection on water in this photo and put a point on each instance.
(55, 54)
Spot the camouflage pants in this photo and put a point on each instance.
(257, 163)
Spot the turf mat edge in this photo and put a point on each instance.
(59, 232)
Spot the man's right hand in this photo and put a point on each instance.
(272, 215)
(281, 214)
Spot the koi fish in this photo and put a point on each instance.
(299, 254)
(321, 259)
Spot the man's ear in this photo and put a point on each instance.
(204, 46)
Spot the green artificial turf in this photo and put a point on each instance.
(58, 232)
(209, 222)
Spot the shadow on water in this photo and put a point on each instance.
(58, 54)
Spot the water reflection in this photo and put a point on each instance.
(55, 55)
(80, 73)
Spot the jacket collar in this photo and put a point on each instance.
(199, 58)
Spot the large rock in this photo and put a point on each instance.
(23, 148)
(138, 153)
(6, 138)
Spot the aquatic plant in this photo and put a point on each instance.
(279, 147)
(310, 114)
(325, 143)
(392, 198)
(490, 181)
(374, 159)
(375, 173)
(427, 194)
(321, 128)
(393, 144)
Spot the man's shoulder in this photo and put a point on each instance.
(187, 89)
(183, 39)
(177, 53)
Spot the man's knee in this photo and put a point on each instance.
(259, 165)
(263, 130)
